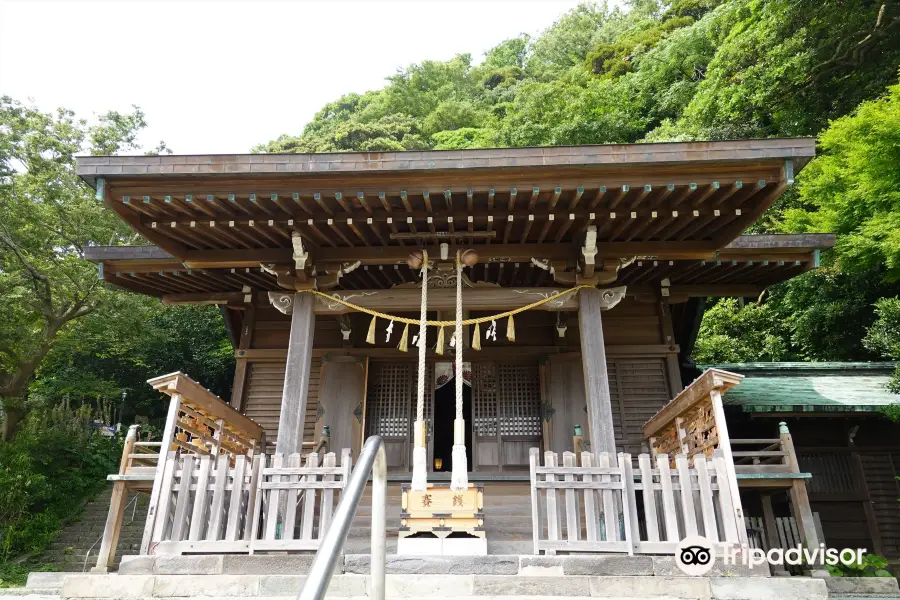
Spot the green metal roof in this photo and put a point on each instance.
(810, 387)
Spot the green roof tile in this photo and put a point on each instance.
(810, 387)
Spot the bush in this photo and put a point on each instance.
(871, 565)
(47, 472)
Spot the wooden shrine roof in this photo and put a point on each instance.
(672, 201)
(743, 268)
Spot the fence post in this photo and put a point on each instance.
(629, 504)
(534, 458)
(552, 508)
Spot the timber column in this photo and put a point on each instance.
(296, 373)
(593, 356)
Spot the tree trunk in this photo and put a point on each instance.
(13, 413)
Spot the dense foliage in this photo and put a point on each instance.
(687, 69)
(53, 465)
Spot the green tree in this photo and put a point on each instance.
(47, 218)
(883, 336)
(853, 187)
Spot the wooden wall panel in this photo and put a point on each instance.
(263, 404)
(638, 389)
(341, 394)
(881, 474)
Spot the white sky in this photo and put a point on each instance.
(219, 77)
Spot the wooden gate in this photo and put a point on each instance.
(506, 414)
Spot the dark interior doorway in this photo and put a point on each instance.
(444, 415)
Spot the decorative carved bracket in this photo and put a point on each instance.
(283, 302)
(611, 296)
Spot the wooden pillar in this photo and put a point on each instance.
(769, 521)
(296, 375)
(596, 378)
(799, 496)
(239, 389)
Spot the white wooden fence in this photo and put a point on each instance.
(616, 506)
(270, 503)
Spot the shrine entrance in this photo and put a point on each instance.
(501, 406)
(442, 430)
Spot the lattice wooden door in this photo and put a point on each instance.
(506, 403)
(391, 407)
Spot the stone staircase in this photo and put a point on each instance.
(471, 578)
(69, 549)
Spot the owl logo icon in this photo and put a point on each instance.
(695, 555)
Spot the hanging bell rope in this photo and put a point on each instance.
(459, 478)
(420, 454)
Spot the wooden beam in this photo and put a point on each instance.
(219, 259)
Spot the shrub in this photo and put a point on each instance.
(47, 472)
(871, 565)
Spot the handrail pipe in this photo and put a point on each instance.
(371, 459)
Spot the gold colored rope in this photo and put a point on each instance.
(499, 316)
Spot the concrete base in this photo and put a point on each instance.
(416, 546)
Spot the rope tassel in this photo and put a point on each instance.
(439, 348)
(404, 339)
(370, 337)
(511, 329)
(476, 339)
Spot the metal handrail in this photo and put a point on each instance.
(371, 459)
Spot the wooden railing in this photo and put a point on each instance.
(267, 503)
(760, 456)
(595, 508)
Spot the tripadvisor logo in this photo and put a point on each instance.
(695, 555)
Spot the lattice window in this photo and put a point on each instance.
(484, 400)
(520, 400)
(388, 400)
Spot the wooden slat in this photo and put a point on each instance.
(274, 499)
(237, 507)
(294, 460)
(552, 509)
(609, 508)
(198, 515)
(649, 493)
(688, 513)
(710, 530)
(327, 505)
(165, 498)
(218, 501)
(668, 498)
(183, 498)
(309, 500)
(591, 518)
(534, 458)
(572, 524)
(629, 501)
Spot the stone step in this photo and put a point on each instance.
(448, 585)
